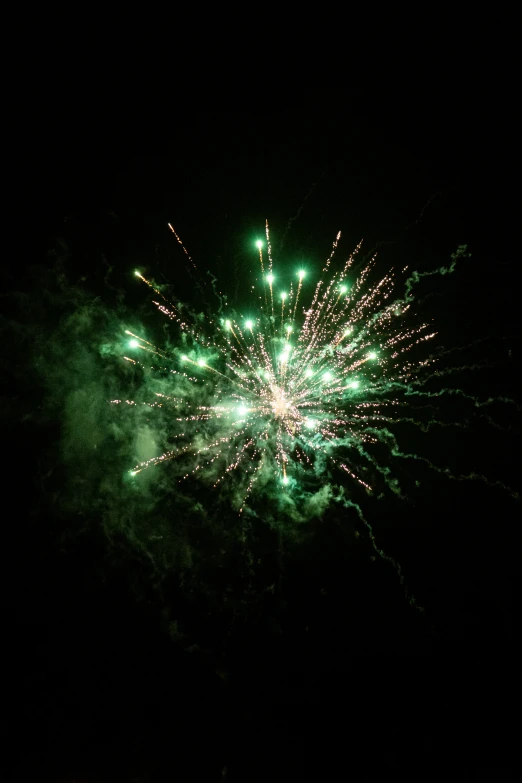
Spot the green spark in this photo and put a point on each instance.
(275, 391)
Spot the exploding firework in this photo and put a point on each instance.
(301, 387)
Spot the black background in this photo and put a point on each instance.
(334, 669)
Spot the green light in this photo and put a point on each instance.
(138, 274)
(348, 331)
(289, 329)
(270, 279)
(301, 274)
(372, 355)
(202, 363)
(309, 373)
(327, 376)
(228, 324)
(310, 424)
(259, 244)
(242, 410)
(284, 357)
(184, 358)
(343, 289)
(285, 479)
(133, 343)
(249, 324)
(354, 385)
(283, 296)
(132, 472)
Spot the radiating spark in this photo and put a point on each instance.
(295, 391)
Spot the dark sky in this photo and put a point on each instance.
(101, 688)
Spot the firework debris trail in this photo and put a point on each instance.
(274, 397)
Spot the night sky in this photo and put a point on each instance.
(118, 672)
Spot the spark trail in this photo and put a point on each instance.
(291, 392)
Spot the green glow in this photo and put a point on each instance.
(265, 399)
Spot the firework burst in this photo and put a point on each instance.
(277, 395)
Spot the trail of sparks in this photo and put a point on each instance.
(290, 393)
(288, 390)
